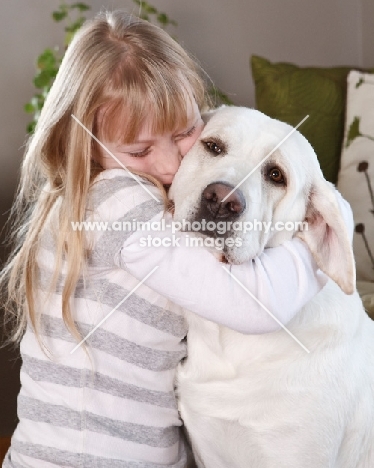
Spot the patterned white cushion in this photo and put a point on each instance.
(356, 175)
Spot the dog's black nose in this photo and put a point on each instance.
(212, 197)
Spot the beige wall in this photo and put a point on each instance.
(367, 33)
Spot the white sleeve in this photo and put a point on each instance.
(283, 279)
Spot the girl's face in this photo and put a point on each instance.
(158, 155)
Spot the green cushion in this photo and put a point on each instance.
(287, 92)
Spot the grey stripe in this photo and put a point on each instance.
(46, 371)
(111, 294)
(103, 189)
(111, 241)
(56, 415)
(141, 356)
(70, 459)
(98, 194)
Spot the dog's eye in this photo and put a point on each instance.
(213, 147)
(276, 175)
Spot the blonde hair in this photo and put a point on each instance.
(131, 69)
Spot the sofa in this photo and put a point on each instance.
(340, 127)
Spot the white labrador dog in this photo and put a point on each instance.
(274, 405)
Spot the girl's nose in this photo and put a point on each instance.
(170, 160)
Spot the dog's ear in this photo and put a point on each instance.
(327, 237)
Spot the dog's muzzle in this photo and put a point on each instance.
(212, 208)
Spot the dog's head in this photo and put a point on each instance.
(280, 184)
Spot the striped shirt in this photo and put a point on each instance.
(115, 407)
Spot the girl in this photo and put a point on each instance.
(111, 402)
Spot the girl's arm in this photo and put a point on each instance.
(283, 279)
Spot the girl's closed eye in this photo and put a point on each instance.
(186, 134)
(190, 131)
(140, 154)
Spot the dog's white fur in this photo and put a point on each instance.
(261, 401)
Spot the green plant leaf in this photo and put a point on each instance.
(46, 59)
(354, 131)
(29, 108)
(80, 6)
(59, 15)
(68, 38)
(43, 79)
(31, 127)
(149, 8)
(73, 27)
(163, 19)
(145, 9)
